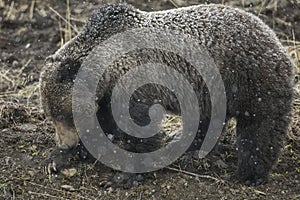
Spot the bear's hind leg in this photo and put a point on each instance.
(259, 138)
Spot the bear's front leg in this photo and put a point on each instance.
(67, 148)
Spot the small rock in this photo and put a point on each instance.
(27, 127)
(221, 164)
(7, 160)
(110, 137)
(68, 188)
(69, 172)
(139, 178)
(109, 190)
(15, 64)
(226, 176)
(182, 181)
(31, 173)
(135, 183)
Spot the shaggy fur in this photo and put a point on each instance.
(256, 70)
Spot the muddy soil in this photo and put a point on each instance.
(32, 30)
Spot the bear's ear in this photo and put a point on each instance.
(110, 17)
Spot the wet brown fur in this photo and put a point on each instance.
(249, 56)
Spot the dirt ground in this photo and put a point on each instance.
(32, 30)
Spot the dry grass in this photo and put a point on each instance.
(66, 31)
(294, 130)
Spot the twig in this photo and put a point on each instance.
(174, 4)
(31, 94)
(196, 175)
(172, 118)
(294, 41)
(8, 79)
(61, 34)
(14, 194)
(21, 70)
(45, 195)
(57, 190)
(78, 20)
(259, 192)
(4, 94)
(68, 35)
(263, 4)
(10, 10)
(59, 15)
(31, 9)
(282, 21)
